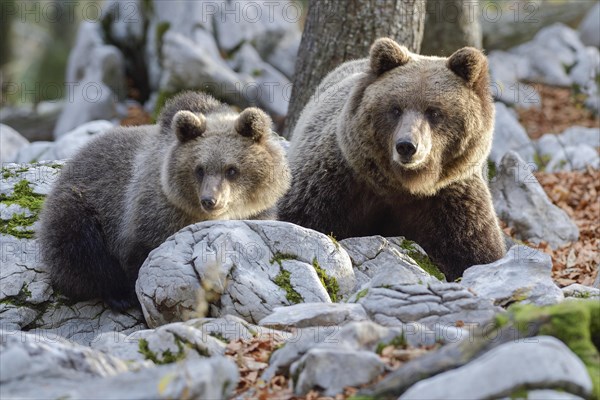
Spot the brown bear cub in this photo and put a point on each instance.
(129, 189)
(395, 145)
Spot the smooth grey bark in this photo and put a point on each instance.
(450, 25)
(340, 30)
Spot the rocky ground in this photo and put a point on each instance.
(270, 310)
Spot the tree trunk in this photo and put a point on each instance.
(340, 30)
(450, 25)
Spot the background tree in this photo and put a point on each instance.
(450, 25)
(340, 30)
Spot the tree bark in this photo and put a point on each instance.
(450, 25)
(340, 30)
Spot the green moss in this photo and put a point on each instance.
(541, 161)
(398, 342)
(161, 29)
(329, 282)
(334, 240)
(576, 323)
(161, 100)
(219, 336)
(492, 171)
(361, 294)
(20, 300)
(279, 257)
(18, 224)
(422, 260)
(7, 173)
(283, 281)
(519, 394)
(257, 72)
(167, 356)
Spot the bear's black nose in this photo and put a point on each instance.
(208, 203)
(406, 149)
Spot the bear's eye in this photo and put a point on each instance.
(231, 172)
(200, 172)
(434, 115)
(396, 111)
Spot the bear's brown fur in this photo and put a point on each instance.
(395, 145)
(125, 192)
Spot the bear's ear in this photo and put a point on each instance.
(468, 63)
(188, 126)
(386, 54)
(253, 123)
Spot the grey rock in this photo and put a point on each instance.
(520, 201)
(283, 56)
(27, 300)
(11, 142)
(574, 149)
(550, 143)
(260, 22)
(185, 66)
(597, 280)
(32, 367)
(95, 73)
(354, 336)
(550, 395)
(441, 305)
(36, 151)
(314, 314)
(523, 275)
(272, 86)
(26, 355)
(507, 71)
(68, 144)
(179, 340)
(539, 362)
(331, 370)
(242, 260)
(589, 30)
(552, 48)
(509, 135)
(573, 158)
(385, 258)
(577, 291)
(228, 328)
(119, 345)
(34, 122)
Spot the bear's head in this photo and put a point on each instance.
(223, 165)
(418, 123)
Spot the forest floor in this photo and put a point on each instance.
(577, 193)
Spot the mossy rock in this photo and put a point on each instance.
(576, 323)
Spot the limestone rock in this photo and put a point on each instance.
(314, 314)
(391, 257)
(11, 142)
(330, 370)
(509, 135)
(523, 275)
(96, 75)
(441, 304)
(520, 201)
(589, 30)
(358, 336)
(574, 149)
(32, 367)
(255, 266)
(540, 362)
(577, 291)
(27, 300)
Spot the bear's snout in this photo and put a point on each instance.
(406, 149)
